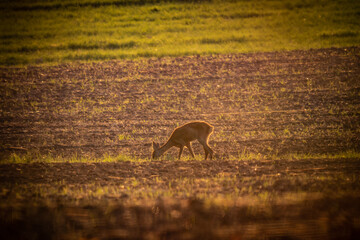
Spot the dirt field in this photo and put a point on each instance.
(286, 140)
(269, 103)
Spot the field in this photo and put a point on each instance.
(53, 31)
(76, 142)
(86, 86)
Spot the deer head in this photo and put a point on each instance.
(156, 153)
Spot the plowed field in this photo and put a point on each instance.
(286, 144)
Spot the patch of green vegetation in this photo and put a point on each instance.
(350, 154)
(88, 30)
(31, 157)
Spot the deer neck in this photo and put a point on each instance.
(166, 147)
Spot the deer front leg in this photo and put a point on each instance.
(190, 149)
(180, 152)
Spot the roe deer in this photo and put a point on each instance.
(183, 136)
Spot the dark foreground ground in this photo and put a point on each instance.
(286, 139)
(282, 199)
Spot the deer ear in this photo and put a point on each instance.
(155, 145)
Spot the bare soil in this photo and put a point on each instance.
(291, 106)
(116, 172)
(268, 103)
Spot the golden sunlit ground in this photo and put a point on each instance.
(75, 136)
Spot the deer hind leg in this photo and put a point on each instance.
(188, 145)
(207, 149)
(211, 152)
(206, 153)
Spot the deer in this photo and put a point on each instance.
(183, 136)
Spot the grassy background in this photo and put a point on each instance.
(43, 31)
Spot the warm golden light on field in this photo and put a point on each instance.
(186, 119)
(284, 130)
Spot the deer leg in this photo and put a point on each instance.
(210, 151)
(207, 149)
(190, 149)
(180, 152)
(206, 153)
